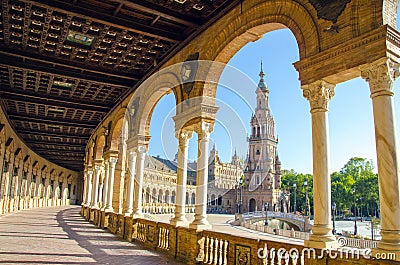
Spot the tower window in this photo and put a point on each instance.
(257, 152)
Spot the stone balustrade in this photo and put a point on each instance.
(192, 246)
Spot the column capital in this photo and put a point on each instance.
(380, 76)
(204, 129)
(113, 160)
(183, 136)
(318, 94)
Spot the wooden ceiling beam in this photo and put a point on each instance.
(158, 11)
(36, 142)
(51, 121)
(24, 131)
(49, 100)
(103, 18)
(20, 59)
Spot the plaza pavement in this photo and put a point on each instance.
(59, 235)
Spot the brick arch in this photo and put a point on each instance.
(263, 18)
(116, 133)
(147, 96)
(251, 25)
(99, 147)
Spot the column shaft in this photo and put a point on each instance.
(112, 162)
(183, 145)
(319, 93)
(381, 76)
(95, 196)
(137, 208)
(89, 188)
(200, 218)
(132, 167)
(105, 186)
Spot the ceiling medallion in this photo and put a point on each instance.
(80, 38)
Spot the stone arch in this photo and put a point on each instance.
(160, 196)
(187, 198)
(99, 147)
(193, 199)
(263, 18)
(213, 201)
(167, 198)
(252, 205)
(173, 196)
(154, 195)
(146, 97)
(118, 129)
(251, 25)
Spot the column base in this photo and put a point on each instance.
(179, 222)
(128, 213)
(321, 242)
(200, 227)
(109, 209)
(137, 215)
(390, 240)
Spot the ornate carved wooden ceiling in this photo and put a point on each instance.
(64, 64)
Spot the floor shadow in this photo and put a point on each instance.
(104, 247)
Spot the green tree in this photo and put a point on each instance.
(290, 177)
(356, 186)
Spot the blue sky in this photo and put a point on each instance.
(350, 116)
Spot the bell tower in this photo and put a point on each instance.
(262, 155)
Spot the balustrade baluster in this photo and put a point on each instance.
(206, 250)
(225, 262)
(211, 250)
(216, 251)
(167, 239)
(221, 243)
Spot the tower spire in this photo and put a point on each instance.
(261, 73)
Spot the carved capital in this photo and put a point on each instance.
(380, 76)
(204, 130)
(318, 94)
(113, 160)
(183, 137)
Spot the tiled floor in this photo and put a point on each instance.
(59, 235)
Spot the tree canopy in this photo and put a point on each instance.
(355, 189)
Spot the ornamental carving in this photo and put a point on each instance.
(329, 9)
(204, 130)
(184, 136)
(381, 76)
(318, 94)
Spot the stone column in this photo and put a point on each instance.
(183, 139)
(137, 207)
(55, 186)
(105, 185)
(200, 218)
(131, 183)
(85, 177)
(111, 167)
(318, 94)
(381, 76)
(95, 196)
(89, 187)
